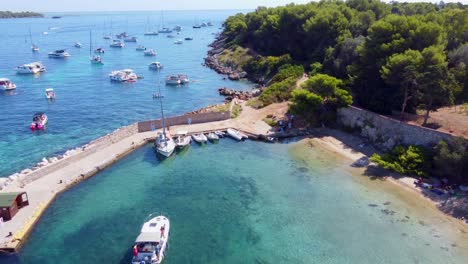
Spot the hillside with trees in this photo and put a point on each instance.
(382, 57)
(9, 14)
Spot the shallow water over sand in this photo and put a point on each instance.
(244, 202)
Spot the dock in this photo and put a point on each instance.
(44, 183)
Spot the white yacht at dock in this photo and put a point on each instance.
(151, 243)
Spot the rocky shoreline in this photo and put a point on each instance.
(212, 61)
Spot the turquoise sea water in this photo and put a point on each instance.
(240, 203)
(88, 105)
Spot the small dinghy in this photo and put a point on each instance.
(182, 140)
(157, 96)
(151, 244)
(200, 138)
(220, 134)
(236, 134)
(50, 94)
(212, 137)
(39, 121)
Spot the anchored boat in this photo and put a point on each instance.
(6, 84)
(60, 54)
(151, 243)
(49, 93)
(155, 65)
(39, 121)
(126, 75)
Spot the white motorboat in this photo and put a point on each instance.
(122, 35)
(155, 65)
(140, 48)
(39, 121)
(59, 54)
(157, 96)
(179, 41)
(172, 80)
(182, 140)
(151, 33)
(107, 37)
(188, 38)
(164, 144)
(26, 69)
(149, 52)
(94, 59)
(165, 30)
(183, 78)
(220, 134)
(177, 28)
(204, 24)
(130, 39)
(34, 47)
(38, 65)
(126, 75)
(236, 134)
(49, 93)
(6, 84)
(99, 50)
(199, 138)
(117, 44)
(151, 243)
(78, 45)
(212, 137)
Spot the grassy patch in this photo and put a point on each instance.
(236, 110)
(235, 57)
(221, 108)
(255, 103)
(270, 121)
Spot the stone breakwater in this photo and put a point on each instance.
(46, 165)
(212, 60)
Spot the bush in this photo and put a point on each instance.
(451, 159)
(411, 160)
(278, 92)
(288, 71)
(306, 104)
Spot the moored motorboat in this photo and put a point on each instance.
(165, 30)
(99, 50)
(200, 138)
(117, 44)
(130, 39)
(49, 93)
(212, 137)
(78, 45)
(151, 33)
(236, 134)
(220, 134)
(35, 48)
(188, 38)
(182, 139)
(39, 121)
(172, 80)
(59, 54)
(204, 24)
(140, 48)
(6, 84)
(96, 59)
(177, 28)
(183, 78)
(126, 75)
(122, 35)
(157, 96)
(26, 69)
(149, 52)
(38, 65)
(155, 65)
(196, 26)
(151, 243)
(179, 41)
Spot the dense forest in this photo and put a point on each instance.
(8, 14)
(389, 57)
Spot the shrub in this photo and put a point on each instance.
(411, 160)
(278, 92)
(288, 71)
(451, 159)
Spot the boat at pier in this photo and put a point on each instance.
(164, 144)
(39, 121)
(6, 84)
(236, 134)
(49, 93)
(212, 137)
(60, 54)
(200, 138)
(151, 243)
(126, 75)
(220, 134)
(182, 139)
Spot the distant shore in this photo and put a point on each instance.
(26, 14)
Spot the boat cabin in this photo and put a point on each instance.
(11, 202)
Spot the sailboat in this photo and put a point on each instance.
(148, 31)
(95, 59)
(164, 29)
(108, 36)
(34, 47)
(164, 143)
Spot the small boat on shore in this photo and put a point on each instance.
(212, 137)
(182, 140)
(26, 69)
(39, 121)
(6, 84)
(151, 243)
(49, 93)
(60, 54)
(149, 52)
(236, 134)
(156, 65)
(200, 138)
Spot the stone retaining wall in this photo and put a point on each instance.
(386, 132)
(183, 120)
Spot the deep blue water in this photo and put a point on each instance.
(88, 105)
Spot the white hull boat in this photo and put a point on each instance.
(183, 78)
(59, 54)
(155, 65)
(38, 65)
(99, 51)
(49, 93)
(27, 69)
(172, 80)
(131, 39)
(150, 53)
(151, 243)
(212, 137)
(78, 45)
(182, 141)
(220, 134)
(39, 121)
(151, 33)
(126, 75)
(117, 44)
(200, 138)
(165, 30)
(164, 144)
(96, 59)
(179, 41)
(6, 84)
(236, 134)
